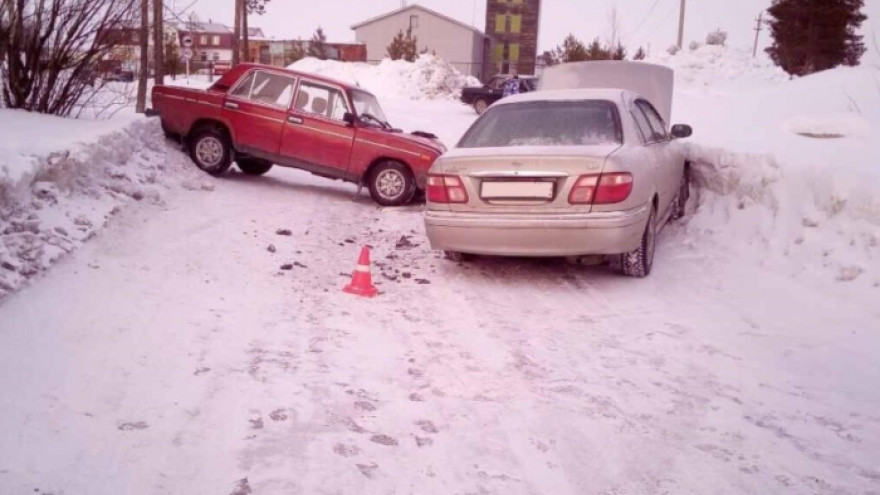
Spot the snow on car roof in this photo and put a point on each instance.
(612, 94)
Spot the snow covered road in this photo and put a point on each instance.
(201, 343)
(172, 354)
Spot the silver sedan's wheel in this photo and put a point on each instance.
(392, 184)
(638, 263)
(210, 150)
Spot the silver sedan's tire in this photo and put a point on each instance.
(638, 263)
(679, 206)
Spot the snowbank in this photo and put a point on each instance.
(788, 167)
(720, 67)
(28, 136)
(64, 178)
(429, 77)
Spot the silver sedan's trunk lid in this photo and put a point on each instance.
(654, 82)
(522, 179)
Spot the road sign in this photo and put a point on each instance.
(187, 41)
(187, 54)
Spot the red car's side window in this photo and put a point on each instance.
(321, 101)
(266, 88)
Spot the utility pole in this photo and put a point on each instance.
(758, 33)
(681, 25)
(158, 42)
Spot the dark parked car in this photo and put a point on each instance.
(493, 90)
(120, 76)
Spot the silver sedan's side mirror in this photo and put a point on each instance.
(681, 131)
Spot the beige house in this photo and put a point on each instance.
(456, 42)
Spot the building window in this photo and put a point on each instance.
(216, 56)
(498, 53)
(203, 39)
(203, 56)
(515, 23)
(500, 23)
(413, 21)
(513, 52)
(518, 2)
(215, 40)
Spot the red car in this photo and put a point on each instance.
(259, 115)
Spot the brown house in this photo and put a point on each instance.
(512, 28)
(350, 52)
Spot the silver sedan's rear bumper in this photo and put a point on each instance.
(553, 234)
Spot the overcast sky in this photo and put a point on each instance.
(643, 22)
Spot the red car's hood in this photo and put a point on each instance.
(408, 139)
(434, 144)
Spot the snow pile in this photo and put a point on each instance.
(791, 169)
(62, 192)
(720, 67)
(428, 78)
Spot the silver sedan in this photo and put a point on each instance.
(560, 173)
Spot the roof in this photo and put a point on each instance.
(205, 27)
(610, 94)
(416, 6)
(310, 75)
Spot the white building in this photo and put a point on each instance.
(456, 42)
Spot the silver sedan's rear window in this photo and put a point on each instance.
(546, 123)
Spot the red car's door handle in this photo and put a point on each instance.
(231, 105)
(295, 120)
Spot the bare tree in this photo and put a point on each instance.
(5, 9)
(144, 36)
(614, 27)
(158, 42)
(236, 32)
(250, 7)
(57, 45)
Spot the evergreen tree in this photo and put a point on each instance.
(815, 35)
(549, 58)
(293, 52)
(404, 47)
(572, 50)
(640, 54)
(596, 51)
(318, 45)
(618, 53)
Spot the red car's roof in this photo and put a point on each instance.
(238, 70)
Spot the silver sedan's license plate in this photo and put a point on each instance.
(516, 190)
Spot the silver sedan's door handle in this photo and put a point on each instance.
(231, 105)
(295, 120)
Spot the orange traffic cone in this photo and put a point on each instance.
(361, 280)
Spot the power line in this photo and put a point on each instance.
(650, 11)
(660, 24)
